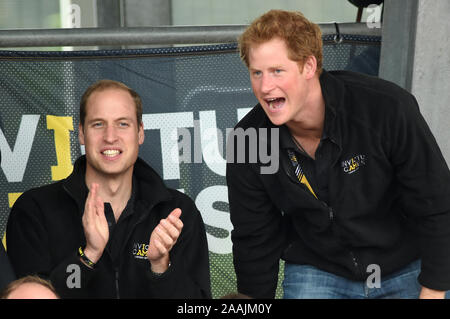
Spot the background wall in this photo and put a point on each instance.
(431, 68)
(200, 12)
(44, 13)
(415, 54)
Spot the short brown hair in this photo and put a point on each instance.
(30, 279)
(302, 37)
(109, 84)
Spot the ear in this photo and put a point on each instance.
(310, 67)
(141, 135)
(80, 134)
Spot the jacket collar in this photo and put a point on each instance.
(333, 94)
(150, 191)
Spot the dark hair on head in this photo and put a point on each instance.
(109, 84)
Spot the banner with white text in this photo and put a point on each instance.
(191, 96)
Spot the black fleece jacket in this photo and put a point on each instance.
(45, 230)
(389, 194)
(6, 272)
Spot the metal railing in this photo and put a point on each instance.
(167, 35)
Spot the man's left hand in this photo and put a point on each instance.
(162, 239)
(427, 293)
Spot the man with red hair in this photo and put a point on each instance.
(360, 204)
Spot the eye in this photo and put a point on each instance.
(97, 124)
(123, 124)
(278, 71)
(256, 73)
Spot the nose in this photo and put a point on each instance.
(110, 135)
(267, 83)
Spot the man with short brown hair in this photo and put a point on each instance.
(112, 229)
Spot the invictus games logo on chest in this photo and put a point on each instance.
(353, 164)
(140, 251)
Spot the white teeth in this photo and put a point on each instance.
(110, 152)
(273, 104)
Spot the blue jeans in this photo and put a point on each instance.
(308, 282)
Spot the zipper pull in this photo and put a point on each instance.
(117, 283)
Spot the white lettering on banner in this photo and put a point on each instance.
(207, 143)
(14, 161)
(212, 143)
(215, 218)
(181, 152)
(243, 112)
(168, 123)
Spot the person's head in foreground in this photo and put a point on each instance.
(29, 287)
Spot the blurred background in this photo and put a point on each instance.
(412, 50)
(53, 14)
(20, 14)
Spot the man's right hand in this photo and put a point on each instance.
(95, 225)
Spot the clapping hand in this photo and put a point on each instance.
(162, 239)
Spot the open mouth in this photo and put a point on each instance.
(111, 153)
(275, 103)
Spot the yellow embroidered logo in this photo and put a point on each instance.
(140, 251)
(353, 164)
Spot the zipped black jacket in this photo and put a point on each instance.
(389, 193)
(6, 272)
(45, 230)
